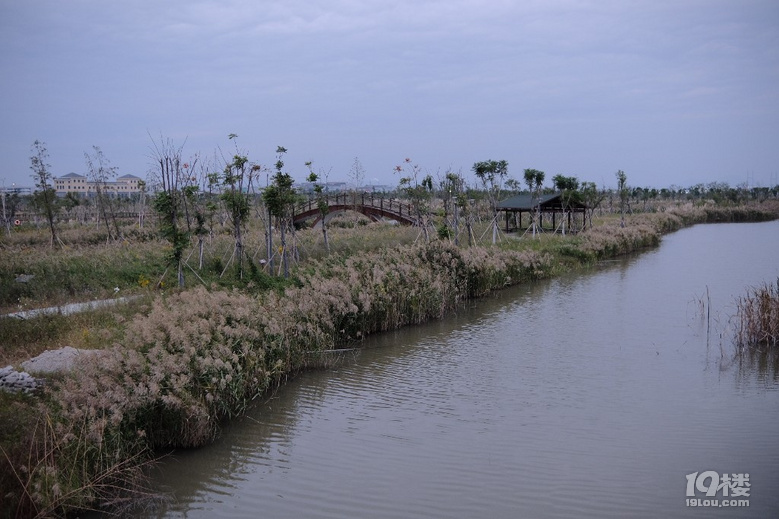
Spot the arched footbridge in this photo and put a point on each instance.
(371, 206)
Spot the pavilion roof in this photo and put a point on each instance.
(525, 202)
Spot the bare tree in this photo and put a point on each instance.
(321, 201)
(99, 171)
(453, 188)
(418, 190)
(9, 208)
(141, 203)
(624, 193)
(357, 174)
(6, 219)
(45, 196)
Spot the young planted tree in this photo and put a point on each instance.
(99, 171)
(513, 185)
(418, 191)
(10, 203)
(141, 203)
(569, 193)
(321, 202)
(491, 173)
(202, 204)
(45, 196)
(454, 188)
(169, 201)
(213, 189)
(592, 198)
(357, 176)
(623, 192)
(6, 219)
(235, 181)
(445, 230)
(535, 180)
(279, 198)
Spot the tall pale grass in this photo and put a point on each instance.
(757, 318)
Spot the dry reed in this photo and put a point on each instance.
(757, 319)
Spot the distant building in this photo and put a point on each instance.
(71, 183)
(14, 189)
(342, 187)
(123, 186)
(327, 187)
(378, 188)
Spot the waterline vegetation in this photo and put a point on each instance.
(757, 319)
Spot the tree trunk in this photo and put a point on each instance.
(284, 249)
(324, 234)
(456, 230)
(239, 249)
(181, 273)
(269, 241)
(6, 218)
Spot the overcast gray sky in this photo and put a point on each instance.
(672, 92)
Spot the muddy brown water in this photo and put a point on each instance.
(591, 395)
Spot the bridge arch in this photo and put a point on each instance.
(373, 207)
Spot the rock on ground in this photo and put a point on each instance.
(16, 381)
(50, 361)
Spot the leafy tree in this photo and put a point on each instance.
(235, 180)
(169, 201)
(212, 205)
(45, 196)
(569, 189)
(592, 198)
(513, 185)
(491, 173)
(280, 199)
(454, 186)
(535, 180)
(202, 205)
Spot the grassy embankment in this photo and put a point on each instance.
(193, 358)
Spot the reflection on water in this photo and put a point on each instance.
(758, 368)
(590, 395)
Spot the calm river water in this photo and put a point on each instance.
(590, 395)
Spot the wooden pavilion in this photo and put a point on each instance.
(550, 205)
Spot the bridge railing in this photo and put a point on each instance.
(390, 205)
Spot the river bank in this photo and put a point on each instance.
(200, 356)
